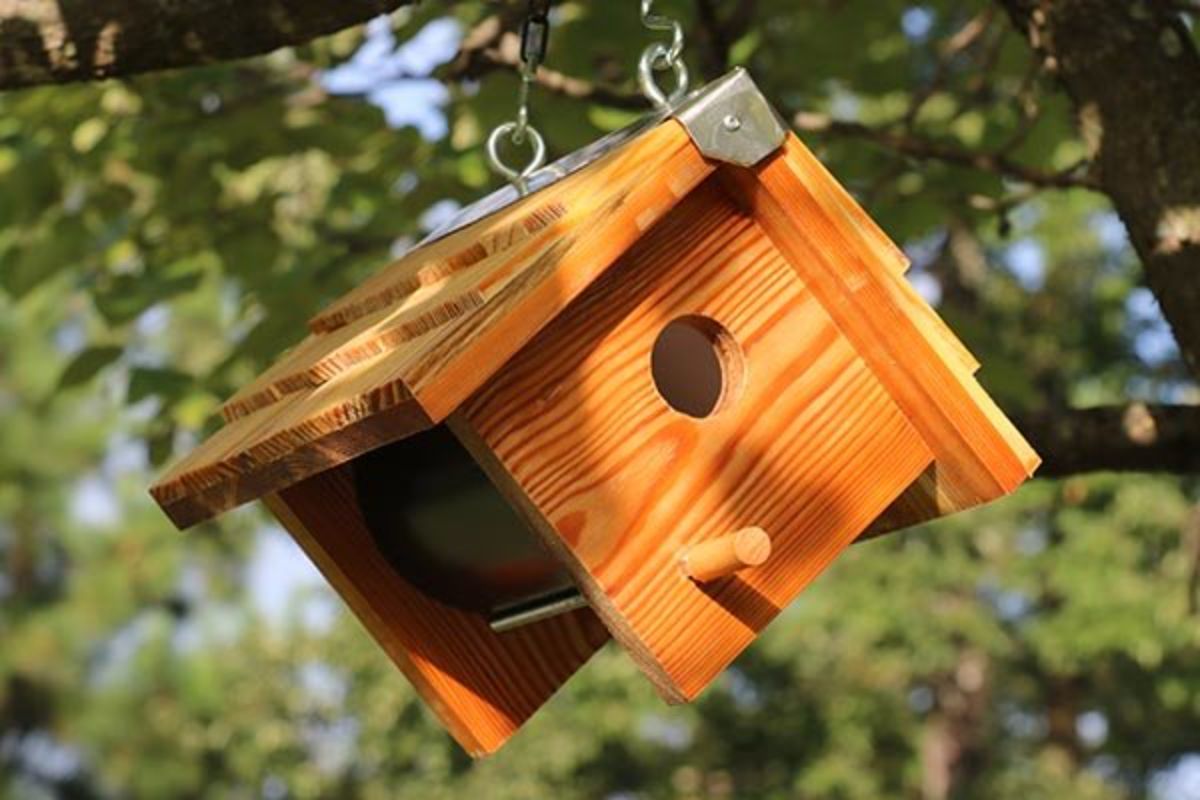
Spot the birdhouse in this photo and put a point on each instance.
(651, 398)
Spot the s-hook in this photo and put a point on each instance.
(535, 34)
(661, 57)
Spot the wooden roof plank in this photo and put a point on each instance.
(440, 260)
(309, 411)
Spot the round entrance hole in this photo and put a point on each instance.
(697, 366)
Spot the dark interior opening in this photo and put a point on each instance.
(695, 364)
(445, 528)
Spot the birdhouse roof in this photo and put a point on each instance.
(401, 351)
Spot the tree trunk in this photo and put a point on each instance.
(1133, 73)
(953, 745)
(55, 41)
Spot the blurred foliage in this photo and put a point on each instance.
(162, 238)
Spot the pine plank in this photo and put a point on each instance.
(294, 438)
(321, 358)
(442, 259)
(811, 449)
(482, 685)
(980, 455)
(415, 362)
(260, 393)
(857, 226)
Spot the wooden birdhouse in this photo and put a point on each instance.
(651, 399)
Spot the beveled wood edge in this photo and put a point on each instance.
(188, 508)
(375, 625)
(596, 596)
(226, 485)
(749, 188)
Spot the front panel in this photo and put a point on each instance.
(614, 428)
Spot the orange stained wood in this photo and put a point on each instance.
(809, 446)
(442, 259)
(856, 230)
(404, 351)
(482, 685)
(725, 555)
(848, 408)
(980, 456)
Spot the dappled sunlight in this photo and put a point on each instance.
(165, 235)
(1178, 228)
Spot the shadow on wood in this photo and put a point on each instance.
(831, 403)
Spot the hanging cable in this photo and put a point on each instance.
(535, 36)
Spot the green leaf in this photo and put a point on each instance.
(743, 49)
(160, 445)
(87, 364)
(611, 119)
(157, 382)
(127, 296)
(34, 255)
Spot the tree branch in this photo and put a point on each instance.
(717, 35)
(928, 150)
(58, 41)
(1132, 71)
(1133, 438)
(490, 46)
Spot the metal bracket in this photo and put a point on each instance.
(730, 120)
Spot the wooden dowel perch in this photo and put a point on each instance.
(725, 555)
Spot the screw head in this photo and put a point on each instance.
(732, 123)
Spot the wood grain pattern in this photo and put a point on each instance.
(723, 556)
(810, 447)
(482, 685)
(261, 392)
(420, 357)
(979, 454)
(849, 409)
(855, 225)
(320, 359)
(440, 260)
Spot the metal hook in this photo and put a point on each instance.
(538, 157)
(660, 57)
(657, 22)
(650, 88)
(534, 36)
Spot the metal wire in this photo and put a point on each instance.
(538, 157)
(535, 34)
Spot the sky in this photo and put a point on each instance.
(396, 78)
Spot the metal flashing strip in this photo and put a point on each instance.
(546, 176)
(728, 120)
